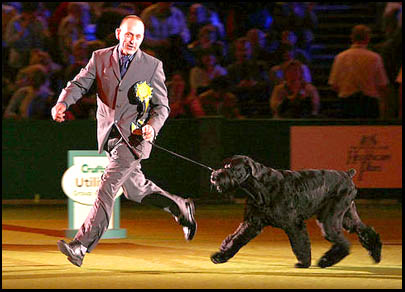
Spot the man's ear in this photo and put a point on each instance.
(117, 33)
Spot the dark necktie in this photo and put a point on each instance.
(124, 65)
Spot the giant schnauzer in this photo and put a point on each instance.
(285, 199)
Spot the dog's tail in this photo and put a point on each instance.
(351, 172)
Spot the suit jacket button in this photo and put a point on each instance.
(118, 106)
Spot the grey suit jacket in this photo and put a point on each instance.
(112, 93)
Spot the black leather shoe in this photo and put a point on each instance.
(73, 251)
(187, 220)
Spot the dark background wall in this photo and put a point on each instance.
(34, 154)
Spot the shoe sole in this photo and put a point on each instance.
(191, 207)
(74, 260)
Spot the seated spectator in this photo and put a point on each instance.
(167, 34)
(183, 103)
(25, 32)
(249, 78)
(206, 70)
(219, 100)
(208, 40)
(109, 19)
(261, 51)
(294, 98)
(359, 78)
(199, 16)
(72, 28)
(300, 18)
(32, 99)
(276, 73)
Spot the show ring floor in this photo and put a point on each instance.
(155, 254)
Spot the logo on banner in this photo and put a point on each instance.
(80, 182)
(368, 155)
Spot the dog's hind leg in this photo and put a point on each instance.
(230, 246)
(368, 237)
(300, 244)
(331, 219)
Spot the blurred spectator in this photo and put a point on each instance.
(8, 12)
(85, 108)
(72, 28)
(240, 17)
(294, 98)
(183, 103)
(25, 32)
(110, 19)
(208, 39)
(207, 69)
(219, 100)
(199, 16)
(399, 80)
(359, 78)
(167, 34)
(249, 78)
(33, 98)
(261, 50)
(300, 18)
(390, 50)
(54, 70)
(276, 72)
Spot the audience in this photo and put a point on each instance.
(183, 102)
(294, 98)
(207, 69)
(25, 32)
(208, 39)
(288, 54)
(359, 78)
(72, 28)
(32, 98)
(219, 100)
(167, 35)
(245, 48)
(249, 78)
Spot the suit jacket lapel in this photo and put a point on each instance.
(115, 63)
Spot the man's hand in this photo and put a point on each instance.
(58, 112)
(148, 133)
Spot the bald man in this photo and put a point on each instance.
(132, 108)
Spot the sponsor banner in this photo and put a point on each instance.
(81, 180)
(374, 151)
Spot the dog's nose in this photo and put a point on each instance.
(214, 176)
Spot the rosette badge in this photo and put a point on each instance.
(143, 91)
(143, 94)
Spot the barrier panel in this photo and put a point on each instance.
(34, 152)
(80, 183)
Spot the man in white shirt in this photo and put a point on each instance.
(359, 77)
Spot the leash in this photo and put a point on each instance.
(161, 148)
(181, 156)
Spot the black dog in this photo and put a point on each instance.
(285, 199)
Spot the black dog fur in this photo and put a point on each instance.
(285, 199)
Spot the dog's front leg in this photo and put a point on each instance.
(230, 246)
(300, 244)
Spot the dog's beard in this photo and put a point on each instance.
(223, 181)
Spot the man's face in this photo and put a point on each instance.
(130, 35)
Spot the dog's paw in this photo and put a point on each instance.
(301, 265)
(219, 258)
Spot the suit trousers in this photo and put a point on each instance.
(123, 170)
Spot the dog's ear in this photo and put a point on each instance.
(256, 169)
